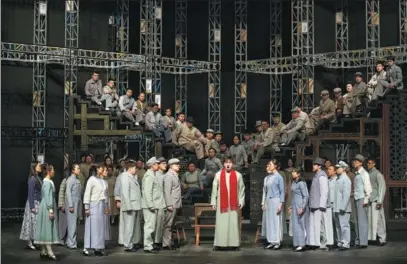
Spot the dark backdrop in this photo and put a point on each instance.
(17, 26)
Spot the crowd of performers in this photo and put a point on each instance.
(320, 215)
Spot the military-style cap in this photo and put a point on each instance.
(218, 133)
(258, 123)
(161, 160)
(324, 92)
(222, 143)
(337, 90)
(210, 131)
(190, 119)
(319, 161)
(359, 74)
(359, 157)
(342, 164)
(295, 109)
(173, 161)
(151, 162)
(391, 58)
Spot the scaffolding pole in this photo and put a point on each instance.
(240, 57)
(181, 51)
(71, 65)
(403, 21)
(39, 77)
(342, 45)
(372, 33)
(214, 78)
(276, 51)
(302, 46)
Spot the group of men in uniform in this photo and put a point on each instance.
(330, 203)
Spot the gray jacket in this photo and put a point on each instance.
(130, 193)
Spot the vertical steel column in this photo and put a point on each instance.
(276, 50)
(372, 33)
(157, 34)
(303, 46)
(342, 43)
(39, 76)
(214, 78)
(71, 66)
(240, 56)
(181, 51)
(122, 77)
(403, 21)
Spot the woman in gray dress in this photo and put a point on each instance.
(46, 232)
(32, 205)
(298, 209)
(273, 205)
(96, 210)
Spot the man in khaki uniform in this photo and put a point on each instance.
(153, 199)
(172, 196)
(265, 142)
(356, 100)
(190, 138)
(325, 112)
(297, 129)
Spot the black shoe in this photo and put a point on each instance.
(130, 250)
(342, 248)
(100, 253)
(361, 247)
(381, 244)
(215, 248)
(237, 248)
(153, 251)
(43, 256)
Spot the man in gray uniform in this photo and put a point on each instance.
(327, 240)
(297, 129)
(152, 200)
(394, 74)
(362, 192)
(377, 221)
(318, 199)
(159, 223)
(342, 206)
(130, 204)
(172, 196)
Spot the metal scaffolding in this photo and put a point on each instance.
(214, 77)
(302, 45)
(240, 75)
(71, 62)
(39, 77)
(342, 45)
(403, 21)
(372, 33)
(276, 51)
(181, 51)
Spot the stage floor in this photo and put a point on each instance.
(13, 252)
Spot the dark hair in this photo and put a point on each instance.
(33, 172)
(99, 166)
(130, 164)
(372, 159)
(237, 137)
(166, 109)
(73, 166)
(191, 162)
(46, 168)
(154, 104)
(212, 149)
(95, 72)
(92, 171)
(297, 170)
(111, 79)
(229, 158)
(129, 89)
(108, 157)
(141, 93)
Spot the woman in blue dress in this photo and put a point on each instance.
(47, 233)
(273, 204)
(32, 205)
(298, 210)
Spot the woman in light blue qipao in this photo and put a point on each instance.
(47, 232)
(298, 210)
(273, 204)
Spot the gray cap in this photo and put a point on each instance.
(295, 109)
(324, 92)
(359, 74)
(173, 161)
(319, 161)
(337, 90)
(161, 159)
(210, 131)
(342, 164)
(359, 157)
(258, 123)
(151, 162)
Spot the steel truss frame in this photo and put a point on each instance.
(342, 45)
(276, 51)
(28, 133)
(39, 88)
(240, 106)
(302, 45)
(403, 21)
(372, 33)
(181, 51)
(71, 62)
(214, 77)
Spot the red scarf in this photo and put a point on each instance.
(224, 197)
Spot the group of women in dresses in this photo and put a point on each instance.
(274, 194)
(41, 224)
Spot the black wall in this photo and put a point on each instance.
(17, 26)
